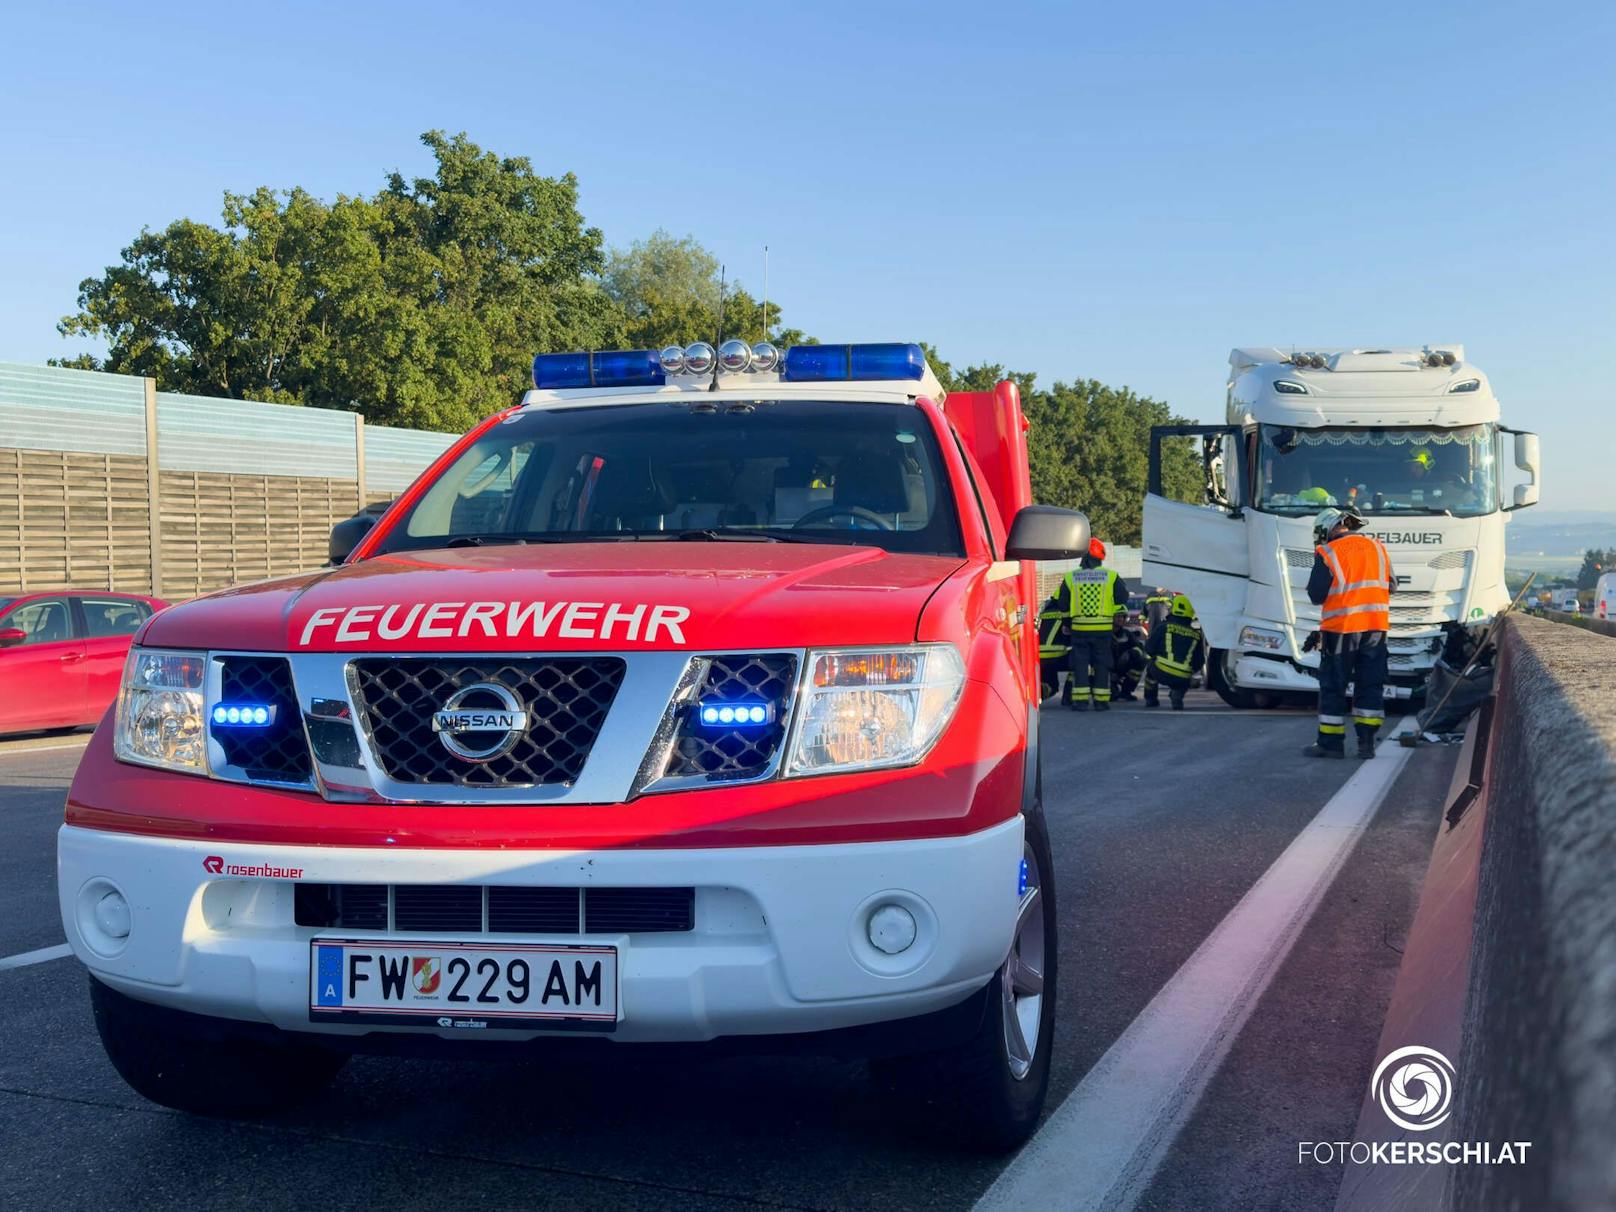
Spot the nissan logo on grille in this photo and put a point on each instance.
(480, 722)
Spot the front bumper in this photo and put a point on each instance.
(779, 944)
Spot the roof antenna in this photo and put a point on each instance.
(718, 343)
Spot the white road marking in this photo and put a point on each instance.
(1104, 1143)
(43, 955)
(22, 749)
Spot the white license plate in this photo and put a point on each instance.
(461, 986)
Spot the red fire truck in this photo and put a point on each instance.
(692, 699)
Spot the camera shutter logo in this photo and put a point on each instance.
(1414, 1087)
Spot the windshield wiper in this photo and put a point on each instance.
(556, 536)
(1432, 510)
(483, 540)
(725, 534)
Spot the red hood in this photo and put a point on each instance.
(584, 597)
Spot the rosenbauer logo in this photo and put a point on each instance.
(215, 865)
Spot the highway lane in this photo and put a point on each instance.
(1160, 821)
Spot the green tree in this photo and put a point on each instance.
(1595, 563)
(668, 288)
(1089, 445)
(421, 305)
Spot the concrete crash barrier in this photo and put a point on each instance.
(1586, 621)
(1509, 969)
(1539, 1057)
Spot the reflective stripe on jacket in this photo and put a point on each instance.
(1092, 594)
(1180, 653)
(1360, 589)
(1049, 634)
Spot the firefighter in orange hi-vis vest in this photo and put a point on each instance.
(1351, 582)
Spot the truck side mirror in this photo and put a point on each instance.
(345, 536)
(10, 637)
(1045, 532)
(1526, 458)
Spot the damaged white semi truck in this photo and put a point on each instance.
(1411, 437)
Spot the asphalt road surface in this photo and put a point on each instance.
(1161, 823)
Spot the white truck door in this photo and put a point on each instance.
(1201, 550)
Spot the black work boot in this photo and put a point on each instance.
(1319, 751)
(1178, 703)
(1077, 705)
(1152, 701)
(1102, 705)
(1366, 746)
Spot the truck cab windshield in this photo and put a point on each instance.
(1449, 472)
(795, 471)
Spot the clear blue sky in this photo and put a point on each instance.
(1122, 192)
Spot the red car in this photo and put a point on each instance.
(678, 703)
(62, 655)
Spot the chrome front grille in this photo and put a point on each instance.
(599, 728)
(566, 699)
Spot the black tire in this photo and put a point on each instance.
(968, 1096)
(183, 1061)
(1240, 700)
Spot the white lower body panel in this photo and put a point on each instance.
(780, 943)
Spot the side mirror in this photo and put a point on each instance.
(1045, 532)
(10, 637)
(1526, 458)
(345, 536)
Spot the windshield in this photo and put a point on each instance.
(1381, 471)
(751, 471)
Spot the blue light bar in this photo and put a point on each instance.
(748, 713)
(243, 715)
(603, 368)
(822, 363)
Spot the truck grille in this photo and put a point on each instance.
(566, 699)
(494, 909)
(280, 752)
(735, 753)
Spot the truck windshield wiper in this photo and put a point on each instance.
(1433, 510)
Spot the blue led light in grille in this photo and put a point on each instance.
(243, 715)
(715, 713)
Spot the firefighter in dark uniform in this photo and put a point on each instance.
(1128, 660)
(1089, 598)
(1156, 607)
(1053, 650)
(1352, 583)
(1176, 649)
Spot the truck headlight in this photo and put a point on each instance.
(159, 718)
(862, 709)
(1257, 637)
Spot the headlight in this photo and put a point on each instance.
(866, 708)
(1256, 637)
(159, 720)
